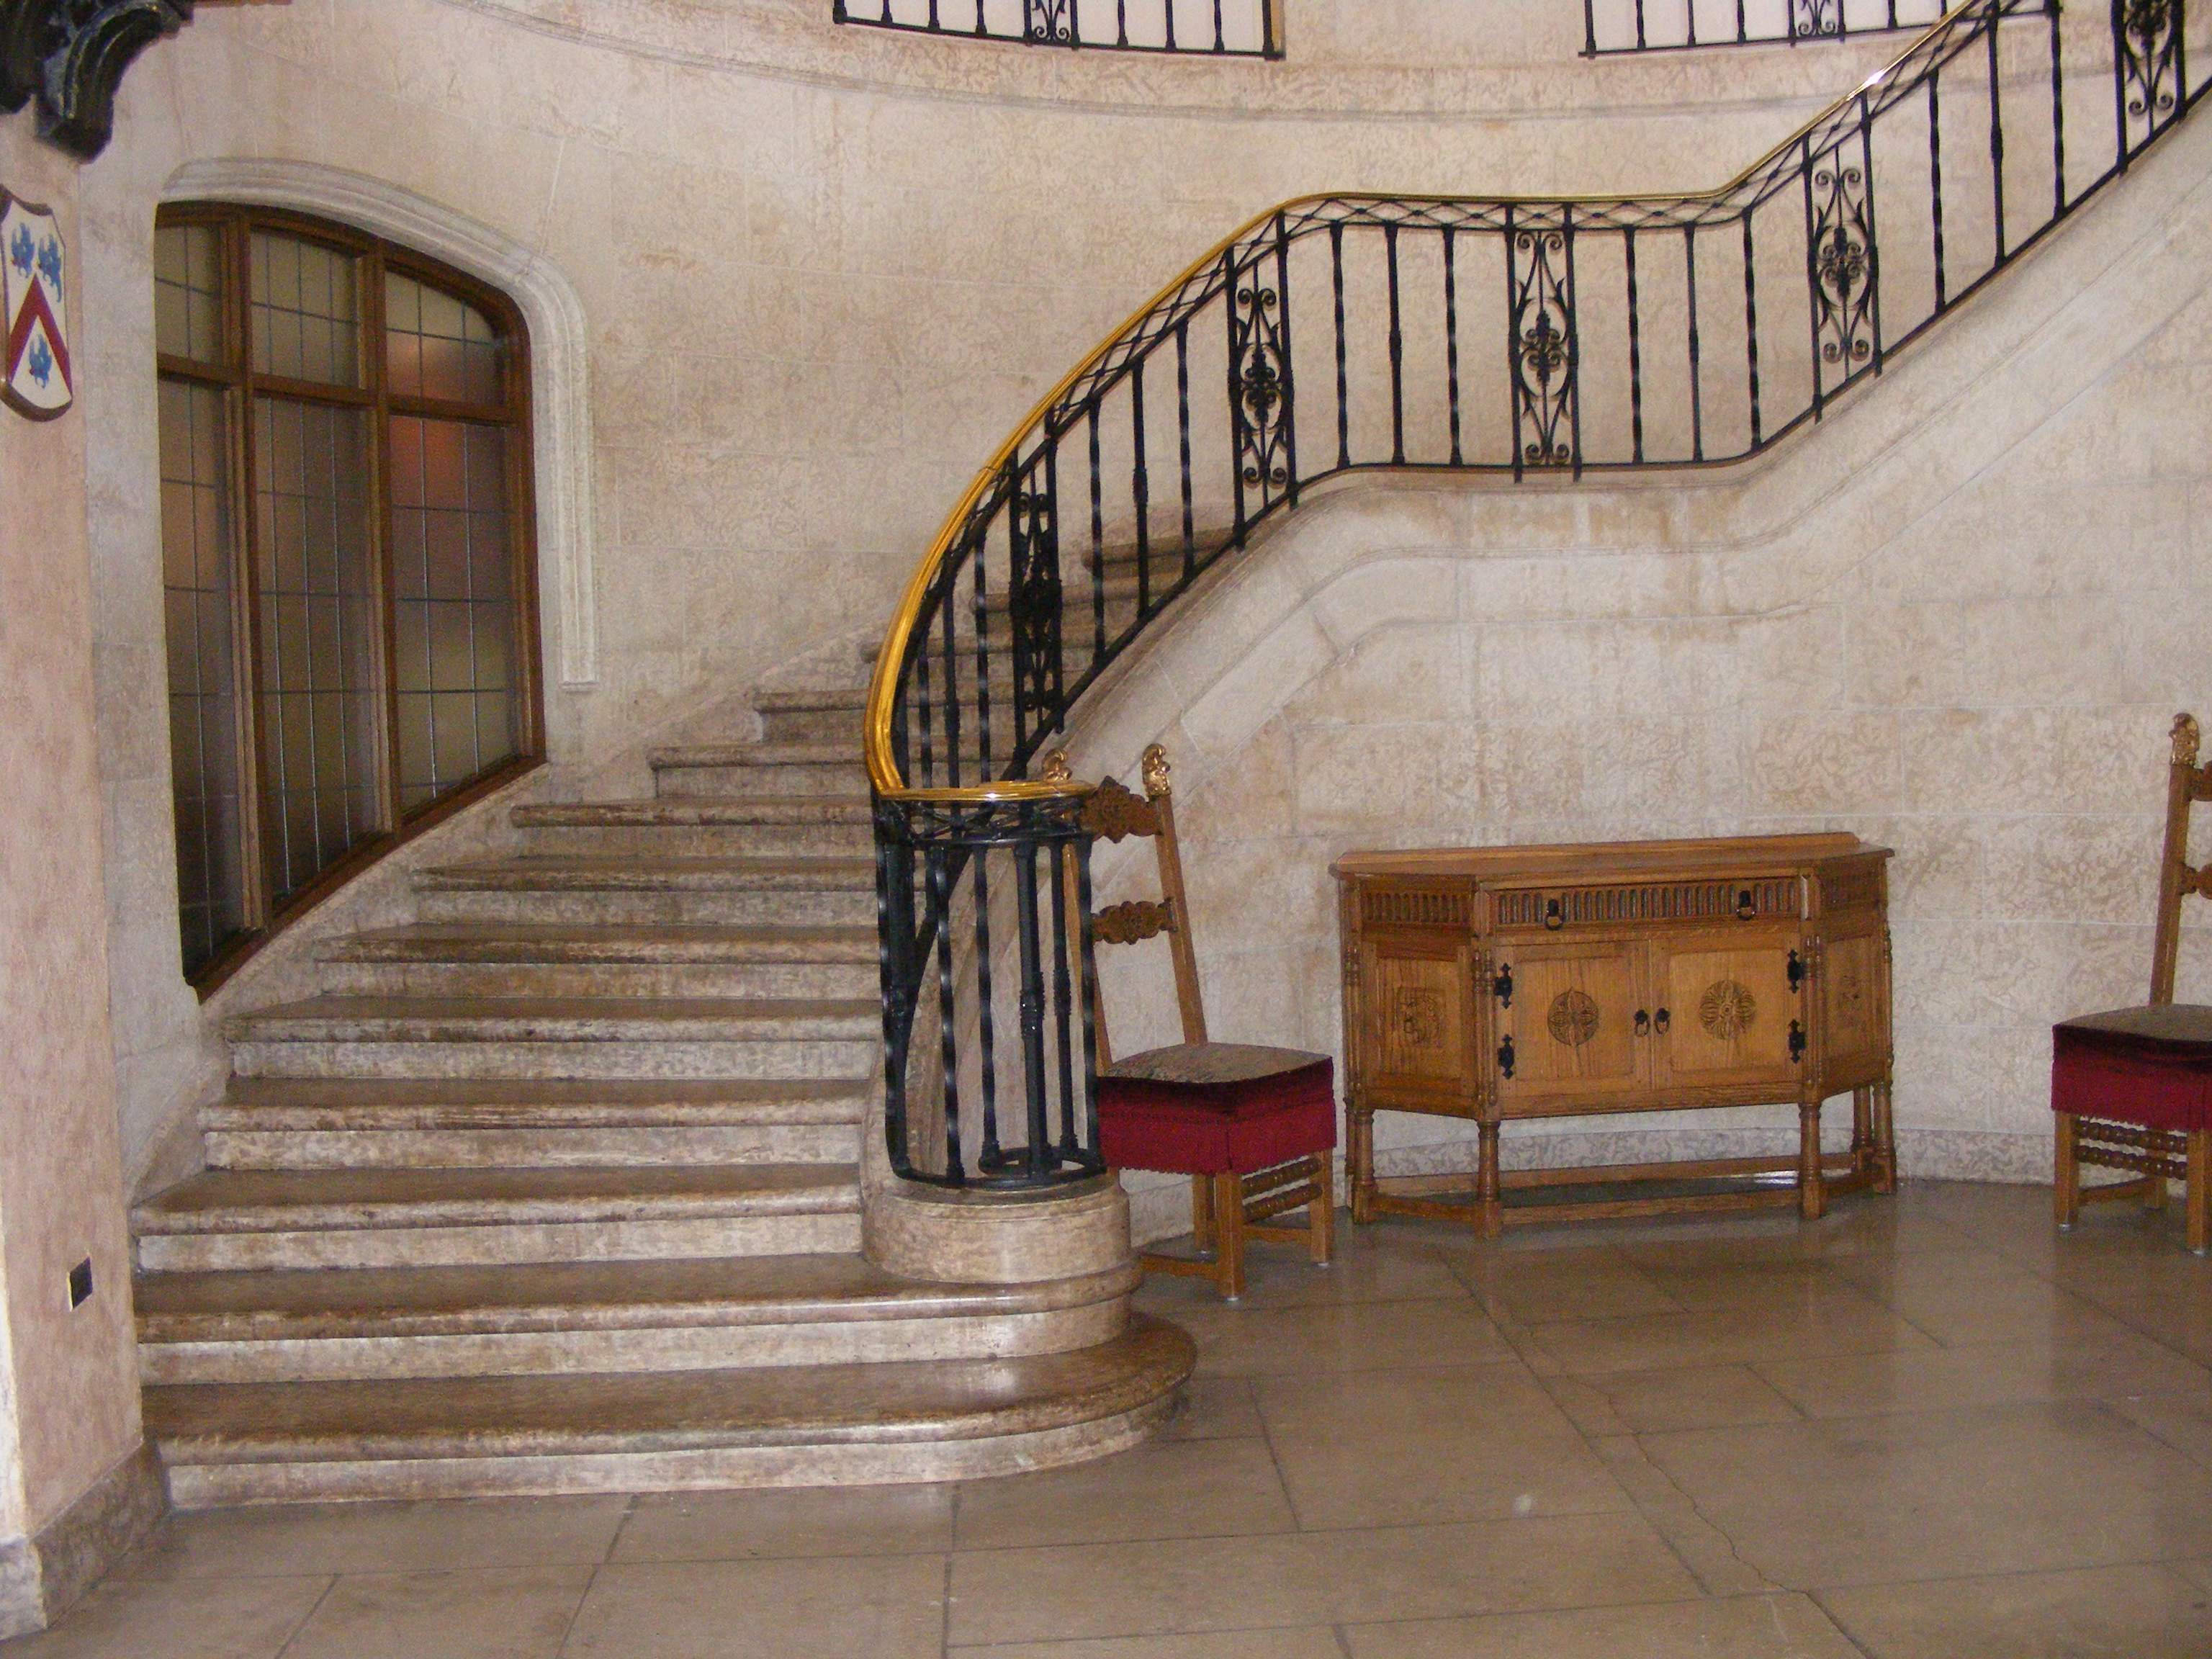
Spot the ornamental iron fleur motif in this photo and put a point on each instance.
(1034, 604)
(1573, 1017)
(2149, 39)
(1543, 347)
(70, 56)
(1844, 267)
(1810, 18)
(1049, 21)
(1259, 379)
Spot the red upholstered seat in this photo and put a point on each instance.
(1216, 1108)
(2150, 1066)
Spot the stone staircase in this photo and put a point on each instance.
(558, 1187)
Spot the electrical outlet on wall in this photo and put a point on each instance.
(80, 1283)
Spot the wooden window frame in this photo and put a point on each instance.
(240, 383)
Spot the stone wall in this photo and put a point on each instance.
(1957, 619)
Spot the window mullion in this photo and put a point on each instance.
(245, 586)
(386, 700)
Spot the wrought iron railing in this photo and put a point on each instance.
(1611, 26)
(1542, 338)
(1220, 28)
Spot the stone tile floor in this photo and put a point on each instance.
(1925, 1428)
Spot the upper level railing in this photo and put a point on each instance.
(1611, 26)
(1221, 28)
(1530, 337)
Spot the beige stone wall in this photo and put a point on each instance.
(1957, 619)
(69, 1399)
(823, 272)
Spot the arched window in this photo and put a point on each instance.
(347, 556)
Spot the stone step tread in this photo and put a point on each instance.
(316, 1200)
(587, 873)
(580, 1414)
(754, 754)
(463, 1104)
(694, 812)
(557, 1019)
(807, 700)
(528, 942)
(319, 1303)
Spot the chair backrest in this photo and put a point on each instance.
(1113, 812)
(2187, 783)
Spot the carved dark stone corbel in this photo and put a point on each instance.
(72, 54)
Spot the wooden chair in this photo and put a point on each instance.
(2133, 1087)
(1254, 1128)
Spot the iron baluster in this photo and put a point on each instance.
(1868, 230)
(939, 923)
(1451, 343)
(1397, 352)
(979, 28)
(1996, 141)
(1140, 490)
(1182, 430)
(1090, 1010)
(921, 679)
(983, 651)
(948, 613)
(1635, 353)
(1063, 1036)
(1220, 41)
(1287, 386)
(1639, 25)
(896, 974)
(1097, 542)
(1032, 1002)
(1751, 324)
(1259, 386)
(1122, 22)
(1742, 30)
(1697, 377)
(989, 1158)
(1167, 13)
(1343, 386)
(1935, 182)
(1589, 28)
(2058, 116)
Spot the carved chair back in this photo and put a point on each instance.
(1114, 812)
(2187, 783)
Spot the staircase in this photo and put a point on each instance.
(558, 1189)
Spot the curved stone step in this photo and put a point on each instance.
(351, 1218)
(308, 1123)
(515, 959)
(597, 1316)
(757, 1426)
(759, 768)
(645, 890)
(823, 714)
(556, 1037)
(681, 825)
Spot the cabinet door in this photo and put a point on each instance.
(1421, 1026)
(1854, 992)
(1572, 1024)
(1728, 1007)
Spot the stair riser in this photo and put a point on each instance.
(491, 1245)
(533, 1148)
(549, 1353)
(796, 1058)
(843, 779)
(205, 1485)
(850, 908)
(811, 726)
(701, 841)
(562, 978)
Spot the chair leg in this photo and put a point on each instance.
(2066, 1173)
(1201, 1214)
(2154, 1193)
(2200, 1190)
(1228, 1230)
(1321, 1212)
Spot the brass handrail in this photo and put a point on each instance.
(883, 686)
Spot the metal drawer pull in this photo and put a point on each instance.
(1659, 1022)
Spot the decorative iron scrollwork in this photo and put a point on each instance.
(1049, 23)
(2147, 33)
(1810, 19)
(1541, 266)
(70, 55)
(1034, 603)
(1843, 265)
(1260, 381)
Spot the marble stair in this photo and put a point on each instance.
(557, 1187)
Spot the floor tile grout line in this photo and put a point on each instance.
(329, 1589)
(576, 1613)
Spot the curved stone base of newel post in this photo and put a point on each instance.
(997, 1238)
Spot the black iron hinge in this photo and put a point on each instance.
(1505, 1058)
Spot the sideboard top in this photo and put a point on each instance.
(1609, 861)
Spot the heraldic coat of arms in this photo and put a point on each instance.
(40, 380)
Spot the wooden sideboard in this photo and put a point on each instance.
(1491, 983)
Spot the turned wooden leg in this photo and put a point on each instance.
(1321, 1212)
(1228, 1230)
(2154, 1192)
(1489, 1209)
(2065, 1173)
(1201, 1214)
(2200, 1190)
(1884, 1140)
(1812, 1183)
(1359, 1162)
